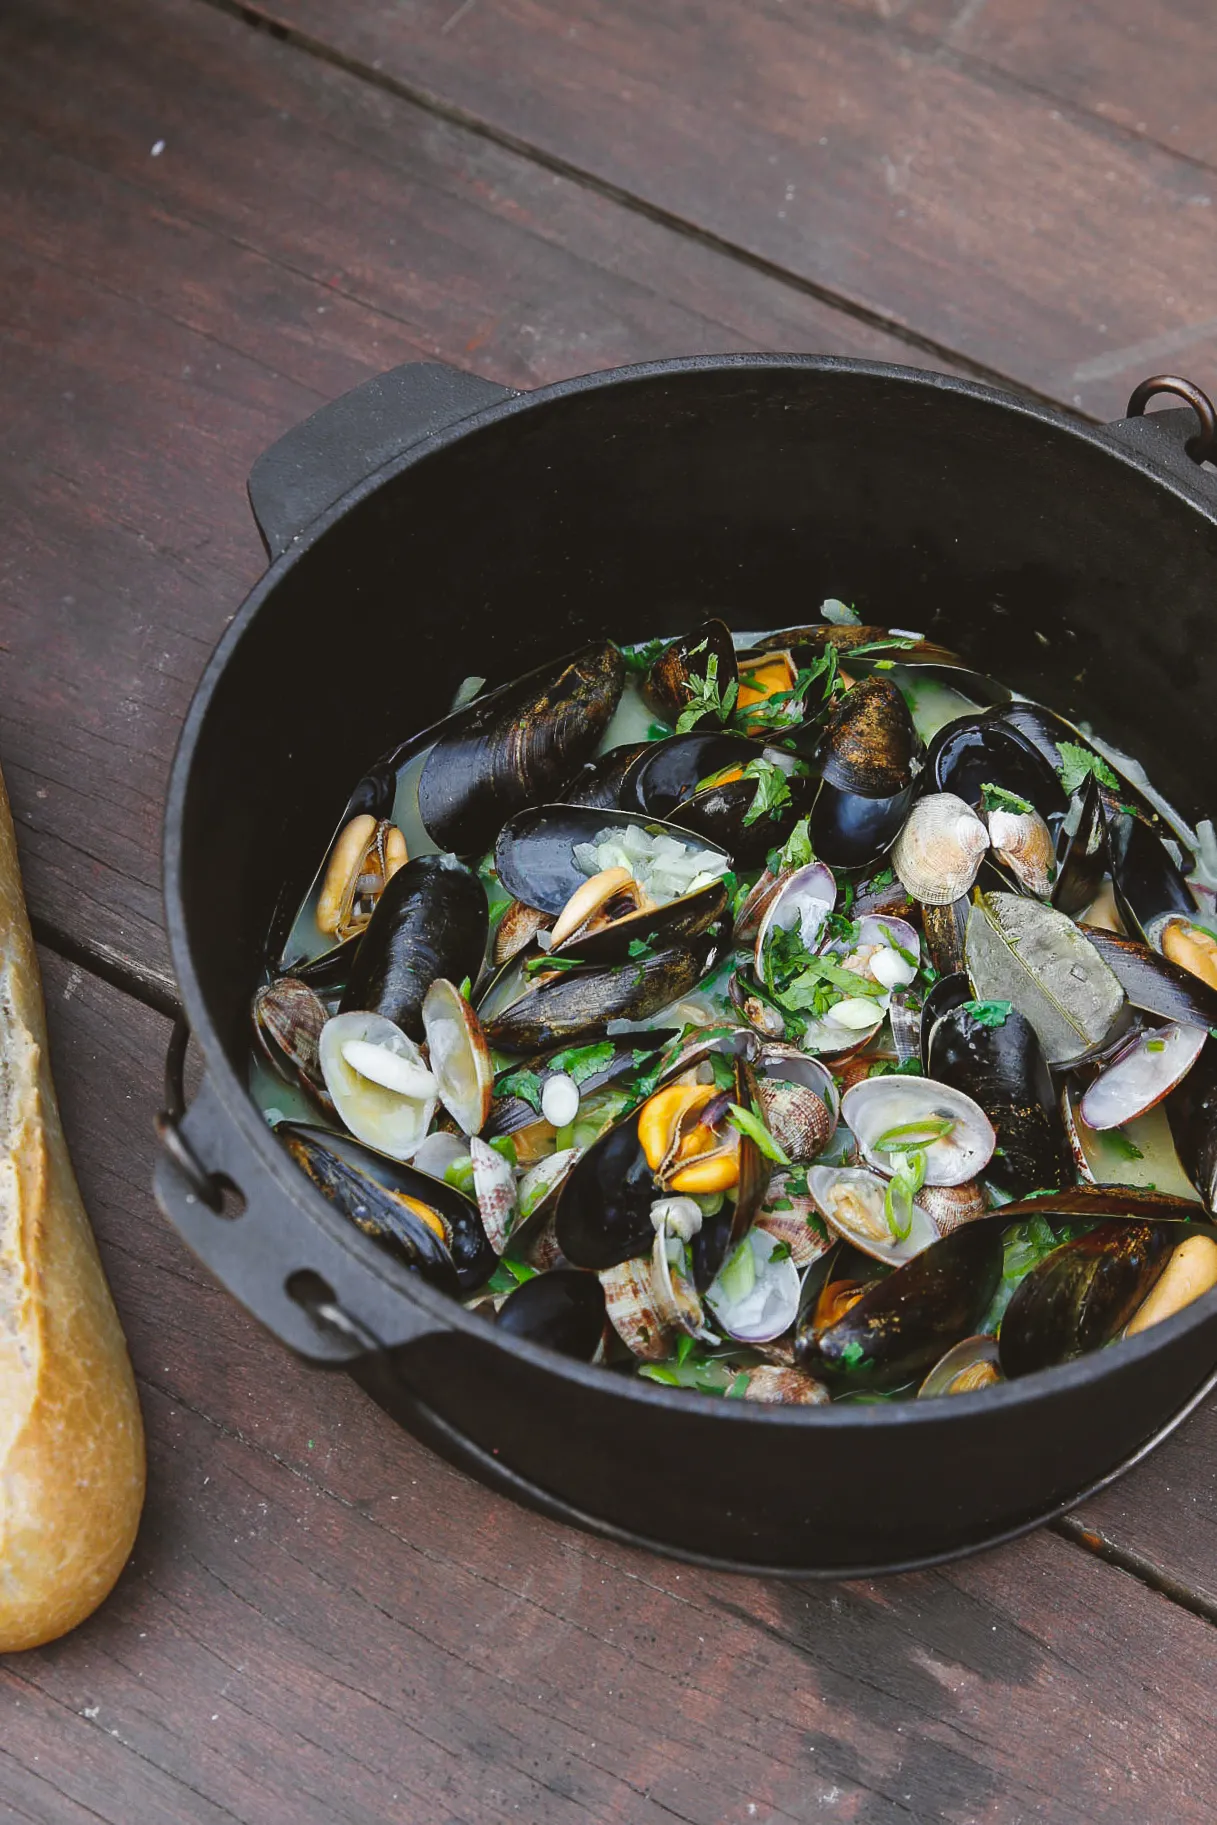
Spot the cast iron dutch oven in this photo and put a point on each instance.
(430, 525)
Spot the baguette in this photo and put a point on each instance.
(71, 1436)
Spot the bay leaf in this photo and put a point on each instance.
(1022, 951)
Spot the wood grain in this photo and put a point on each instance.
(322, 1622)
(162, 320)
(933, 191)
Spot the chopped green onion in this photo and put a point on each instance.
(749, 1124)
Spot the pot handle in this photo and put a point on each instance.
(313, 465)
(1182, 441)
(322, 1292)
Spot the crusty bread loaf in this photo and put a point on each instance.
(71, 1437)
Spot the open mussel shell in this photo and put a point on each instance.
(950, 991)
(852, 1202)
(1143, 1072)
(1193, 1118)
(967, 1367)
(997, 1060)
(667, 687)
(870, 747)
(625, 1053)
(1153, 983)
(1182, 941)
(378, 1082)
(426, 1222)
(564, 1310)
(522, 1013)
(979, 751)
(431, 921)
(598, 782)
(938, 852)
(1149, 884)
(288, 1021)
(898, 1327)
(1082, 1295)
(610, 878)
(517, 747)
(1045, 730)
(366, 855)
(891, 1115)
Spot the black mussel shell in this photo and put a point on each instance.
(518, 747)
(947, 993)
(850, 831)
(341, 1172)
(534, 852)
(598, 782)
(329, 973)
(629, 1052)
(603, 1215)
(666, 688)
(431, 921)
(1045, 731)
(1153, 983)
(1130, 1203)
(1148, 881)
(577, 1005)
(1086, 858)
(1082, 1295)
(902, 1324)
(468, 1246)
(1192, 1111)
(945, 929)
(668, 772)
(1003, 1068)
(563, 1309)
(720, 815)
(870, 744)
(976, 751)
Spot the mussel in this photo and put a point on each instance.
(563, 1309)
(870, 759)
(979, 752)
(670, 682)
(1083, 1294)
(431, 921)
(893, 1330)
(367, 854)
(1193, 1119)
(610, 880)
(598, 782)
(425, 1222)
(990, 1051)
(517, 747)
(1153, 983)
(726, 789)
(1190, 1273)
(1150, 886)
(965, 1368)
(798, 1099)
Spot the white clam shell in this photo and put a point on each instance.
(879, 1104)
(387, 1097)
(939, 851)
(851, 1201)
(770, 1306)
(1142, 1075)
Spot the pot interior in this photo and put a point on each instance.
(631, 508)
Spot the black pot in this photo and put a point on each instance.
(431, 524)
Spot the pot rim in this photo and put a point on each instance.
(450, 1314)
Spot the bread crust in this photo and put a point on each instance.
(71, 1435)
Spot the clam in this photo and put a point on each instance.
(893, 1116)
(367, 854)
(1141, 1153)
(788, 1213)
(564, 1310)
(966, 1367)
(950, 1206)
(938, 853)
(517, 747)
(858, 1206)
(990, 1052)
(636, 1310)
(1190, 1272)
(459, 1056)
(425, 1222)
(1142, 1073)
(755, 1294)
(288, 1021)
(378, 1082)
(669, 685)
(431, 921)
(801, 903)
(798, 1099)
(891, 1330)
(1024, 843)
(1083, 1294)
(677, 1300)
(516, 930)
(780, 1386)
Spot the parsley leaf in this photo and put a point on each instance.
(1077, 762)
(796, 851)
(772, 790)
(988, 1013)
(642, 656)
(524, 1084)
(582, 1062)
(996, 798)
(535, 964)
(706, 698)
(641, 947)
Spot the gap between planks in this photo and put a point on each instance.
(456, 116)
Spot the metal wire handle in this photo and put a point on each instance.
(1202, 448)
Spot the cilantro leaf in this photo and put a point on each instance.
(642, 656)
(988, 1013)
(795, 852)
(706, 698)
(996, 798)
(772, 789)
(524, 1084)
(1077, 762)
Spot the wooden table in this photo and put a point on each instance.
(213, 217)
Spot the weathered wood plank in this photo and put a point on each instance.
(933, 191)
(323, 1622)
(1147, 69)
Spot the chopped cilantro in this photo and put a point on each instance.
(503, 1144)
(795, 852)
(886, 879)
(582, 1062)
(522, 1083)
(776, 1204)
(706, 698)
(1122, 1147)
(852, 1353)
(772, 789)
(642, 656)
(780, 1252)
(1077, 762)
(910, 1067)
(996, 798)
(641, 947)
(988, 1013)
